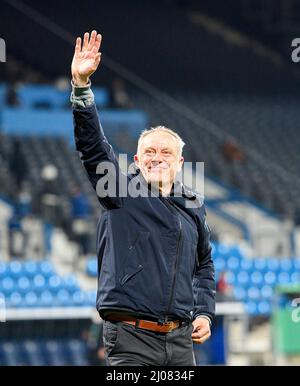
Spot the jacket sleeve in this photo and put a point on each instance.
(204, 286)
(97, 155)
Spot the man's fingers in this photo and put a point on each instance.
(202, 339)
(97, 43)
(92, 40)
(78, 46)
(200, 332)
(85, 41)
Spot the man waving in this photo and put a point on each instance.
(156, 286)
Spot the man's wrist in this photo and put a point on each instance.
(205, 317)
(82, 96)
(80, 82)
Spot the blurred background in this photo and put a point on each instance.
(221, 75)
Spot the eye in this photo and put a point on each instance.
(149, 151)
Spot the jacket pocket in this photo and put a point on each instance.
(133, 262)
(128, 276)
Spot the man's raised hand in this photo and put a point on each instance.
(86, 58)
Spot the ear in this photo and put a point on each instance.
(136, 160)
(180, 163)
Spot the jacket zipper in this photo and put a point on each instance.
(175, 263)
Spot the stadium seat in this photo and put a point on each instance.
(55, 283)
(24, 285)
(270, 278)
(264, 308)
(31, 299)
(30, 268)
(246, 264)
(266, 292)
(92, 267)
(220, 264)
(240, 294)
(243, 278)
(256, 278)
(253, 293)
(251, 308)
(15, 269)
(233, 263)
(260, 264)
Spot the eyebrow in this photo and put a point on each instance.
(152, 148)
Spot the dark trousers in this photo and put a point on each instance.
(126, 345)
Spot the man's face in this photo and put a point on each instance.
(158, 158)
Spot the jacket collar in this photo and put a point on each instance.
(178, 191)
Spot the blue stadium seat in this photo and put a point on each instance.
(15, 269)
(296, 264)
(270, 278)
(91, 298)
(31, 351)
(55, 283)
(286, 265)
(233, 263)
(77, 352)
(246, 264)
(235, 251)
(243, 278)
(31, 299)
(220, 264)
(70, 283)
(46, 299)
(24, 285)
(253, 293)
(39, 283)
(230, 277)
(264, 307)
(7, 285)
(63, 298)
(15, 300)
(295, 277)
(10, 353)
(78, 298)
(213, 249)
(240, 294)
(46, 268)
(223, 249)
(273, 264)
(92, 267)
(30, 268)
(260, 264)
(266, 292)
(283, 278)
(54, 354)
(257, 278)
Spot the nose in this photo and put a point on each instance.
(157, 158)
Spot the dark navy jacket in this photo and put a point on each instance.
(154, 255)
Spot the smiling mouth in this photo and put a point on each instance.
(157, 168)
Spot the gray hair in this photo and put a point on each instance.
(163, 129)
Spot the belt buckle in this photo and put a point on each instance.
(170, 324)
